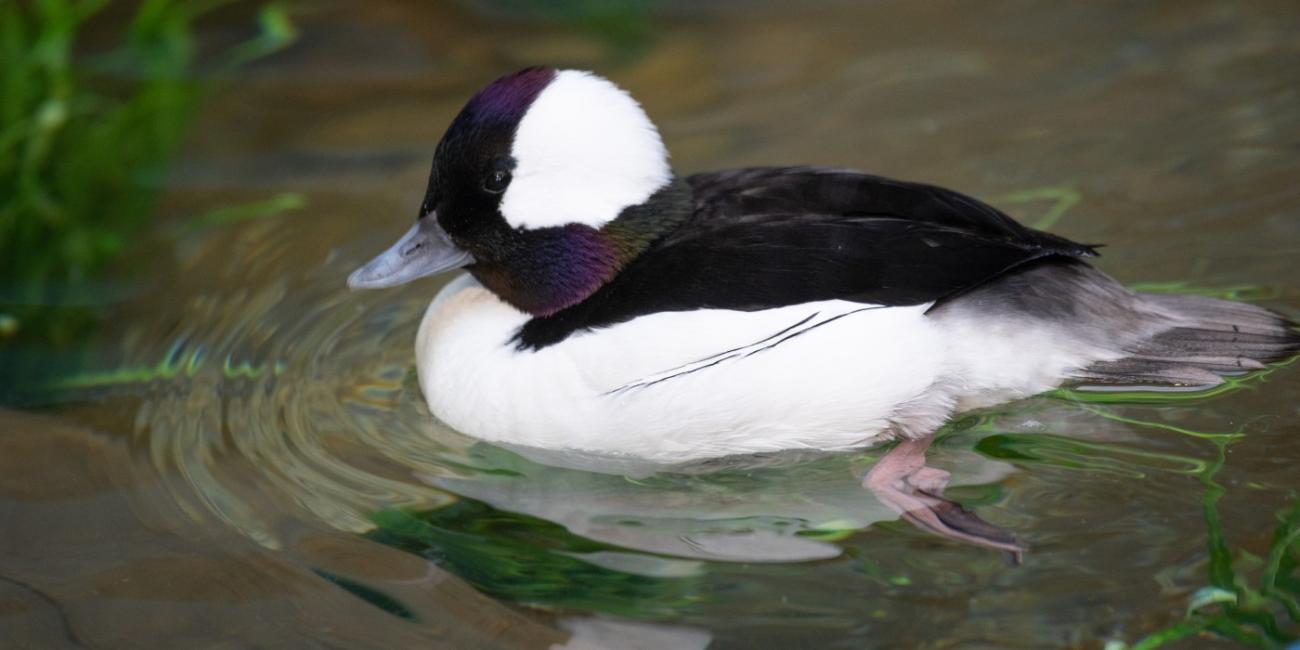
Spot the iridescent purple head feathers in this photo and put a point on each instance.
(551, 181)
(508, 98)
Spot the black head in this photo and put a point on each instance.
(526, 188)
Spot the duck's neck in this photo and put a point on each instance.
(549, 269)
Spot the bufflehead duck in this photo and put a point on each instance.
(614, 308)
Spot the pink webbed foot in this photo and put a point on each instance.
(902, 481)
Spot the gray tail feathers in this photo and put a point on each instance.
(1198, 341)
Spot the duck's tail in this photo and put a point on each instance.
(1199, 341)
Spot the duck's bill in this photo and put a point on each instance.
(424, 250)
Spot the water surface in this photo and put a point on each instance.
(218, 473)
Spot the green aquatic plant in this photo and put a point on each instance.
(1062, 199)
(529, 560)
(85, 137)
(1254, 601)
(1250, 600)
(1263, 612)
(367, 594)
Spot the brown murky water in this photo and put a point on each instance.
(214, 480)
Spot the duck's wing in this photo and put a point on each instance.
(770, 237)
(775, 194)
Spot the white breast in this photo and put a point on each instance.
(679, 386)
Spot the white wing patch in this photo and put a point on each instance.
(807, 324)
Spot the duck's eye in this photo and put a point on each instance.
(496, 181)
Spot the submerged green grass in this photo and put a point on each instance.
(529, 560)
(1245, 600)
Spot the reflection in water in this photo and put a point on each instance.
(247, 396)
(600, 633)
(735, 514)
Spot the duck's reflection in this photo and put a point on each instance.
(770, 508)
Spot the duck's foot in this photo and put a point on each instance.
(902, 481)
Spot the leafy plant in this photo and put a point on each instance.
(84, 140)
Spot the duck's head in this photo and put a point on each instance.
(545, 185)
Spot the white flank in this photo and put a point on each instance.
(584, 151)
(680, 386)
(827, 388)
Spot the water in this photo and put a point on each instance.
(216, 475)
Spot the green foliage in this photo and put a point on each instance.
(1253, 601)
(84, 140)
(1062, 198)
(226, 215)
(1265, 614)
(529, 560)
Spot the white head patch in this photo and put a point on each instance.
(584, 151)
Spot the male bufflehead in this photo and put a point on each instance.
(614, 308)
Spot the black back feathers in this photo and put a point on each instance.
(770, 237)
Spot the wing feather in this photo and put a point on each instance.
(769, 237)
